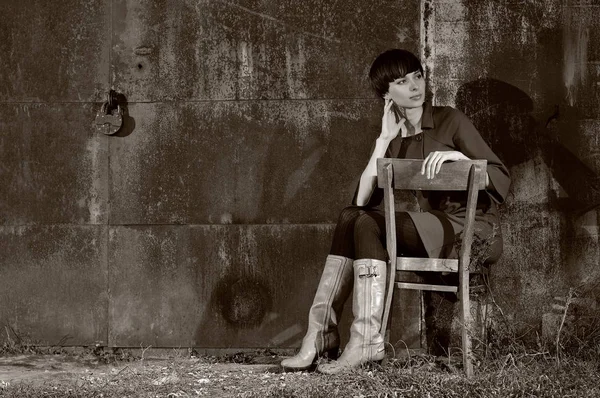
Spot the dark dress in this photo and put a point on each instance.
(442, 214)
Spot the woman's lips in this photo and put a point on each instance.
(416, 97)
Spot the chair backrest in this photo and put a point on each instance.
(453, 176)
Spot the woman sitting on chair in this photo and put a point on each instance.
(412, 129)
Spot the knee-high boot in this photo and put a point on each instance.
(322, 335)
(366, 342)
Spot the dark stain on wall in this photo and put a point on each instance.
(242, 301)
(427, 13)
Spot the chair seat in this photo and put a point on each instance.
(426, 264)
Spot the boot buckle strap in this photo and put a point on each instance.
(368, 271)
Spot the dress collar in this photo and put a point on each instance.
(427, 117)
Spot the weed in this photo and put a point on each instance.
(16, 343)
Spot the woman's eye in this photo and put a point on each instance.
(419, 76)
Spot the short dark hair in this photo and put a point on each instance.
(391, 65)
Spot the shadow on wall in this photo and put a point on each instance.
(581, 182)
(503, 114)
(128, 122)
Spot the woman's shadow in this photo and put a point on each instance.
(504, 116)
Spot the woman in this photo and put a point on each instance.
(410, 128)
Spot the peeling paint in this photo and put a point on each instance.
(575, 47)
(246, 72)
(296, 70)
(95, 197)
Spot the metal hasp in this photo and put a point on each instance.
(109, 118)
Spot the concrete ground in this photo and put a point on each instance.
(38, 370)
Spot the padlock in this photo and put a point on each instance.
(109, 123)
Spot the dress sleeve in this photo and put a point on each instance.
(468, 140)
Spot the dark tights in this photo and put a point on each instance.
(360, 233)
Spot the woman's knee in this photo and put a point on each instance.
(349, 215)
(369, 237)
(366, 226)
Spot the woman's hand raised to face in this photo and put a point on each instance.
(391, 124)
(433, 162)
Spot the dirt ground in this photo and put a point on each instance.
(78, 375)
(89, 375)
(41, 369)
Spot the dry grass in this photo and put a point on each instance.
(509, 376)
(510, 363)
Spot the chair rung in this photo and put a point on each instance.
(426, 264)
(424, 286)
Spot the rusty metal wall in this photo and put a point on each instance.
(53, 171)
(206, 221)
(527, 73)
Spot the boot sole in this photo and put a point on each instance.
(369, 365)
(332, 354)
(309, 368)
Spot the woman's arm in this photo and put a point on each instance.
(368, 178)
(470, 145)
(391, 125)
(433, 163)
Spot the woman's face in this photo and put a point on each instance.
(408, 91)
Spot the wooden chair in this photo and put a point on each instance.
(469, 176)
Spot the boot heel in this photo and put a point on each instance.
(333, 353)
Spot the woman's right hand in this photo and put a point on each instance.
(391, 124)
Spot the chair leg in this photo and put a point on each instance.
(466, 324)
